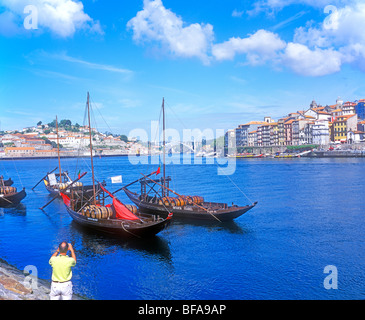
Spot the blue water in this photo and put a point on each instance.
(310, 214)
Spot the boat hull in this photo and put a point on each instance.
(12, 200)
(123, 228)
(191, 212)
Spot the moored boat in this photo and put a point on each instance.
(10, 197)
(90, 210)
(183, 207)
(115, 218)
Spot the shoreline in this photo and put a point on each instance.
(13, 285)
(66, 157)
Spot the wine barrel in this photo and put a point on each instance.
(62, 186)
(132, 208)
(77, 184)
(7, 190)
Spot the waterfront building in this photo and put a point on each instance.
(342, 125)
(265, 134)
(360, 109)
(17, 152)
(320, 132)
(281, 131)
(241, 132)
(288, 131)
(252, 138)
(298, 131)
(259, 136)
(308, 132)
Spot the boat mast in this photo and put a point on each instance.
(91, 147)
(58, 151)
(164, 146)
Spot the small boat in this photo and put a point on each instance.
(115, 218)
(54, 186)
(182, 207)
(10, 197)
(89, 210)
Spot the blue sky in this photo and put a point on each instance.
(218, 63)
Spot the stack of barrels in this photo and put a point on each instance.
(180, 201)
(63, 186)
(131, 208)
(97, 212)
(7, 190)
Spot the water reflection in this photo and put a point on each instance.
(230, 226)
(97, 243)
(19, 210)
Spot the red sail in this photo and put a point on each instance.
(66, 199)
(121, 210)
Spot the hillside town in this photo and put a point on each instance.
(339, 124)
(73, 140)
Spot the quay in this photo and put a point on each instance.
(14, 285)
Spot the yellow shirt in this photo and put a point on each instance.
(62, 268)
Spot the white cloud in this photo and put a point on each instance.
(156, 23)
(342, 29)
(61, 17)
(259, 47)
(317, 62)
(317, 49)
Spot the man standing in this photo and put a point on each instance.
(61, 288)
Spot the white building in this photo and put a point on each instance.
(320, 132)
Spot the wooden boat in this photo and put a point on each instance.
(183, 207)
(54, 186)
(115, 218)
(10, 197)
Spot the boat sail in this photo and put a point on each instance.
(115, 218)
(155, 198)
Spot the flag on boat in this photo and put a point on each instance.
(117, 179)
(158, 170)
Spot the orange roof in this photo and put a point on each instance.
(253, 122)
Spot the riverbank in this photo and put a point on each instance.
(14, 285)
(68, 157)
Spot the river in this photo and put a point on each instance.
(310, 214)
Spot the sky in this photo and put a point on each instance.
(216, 63)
